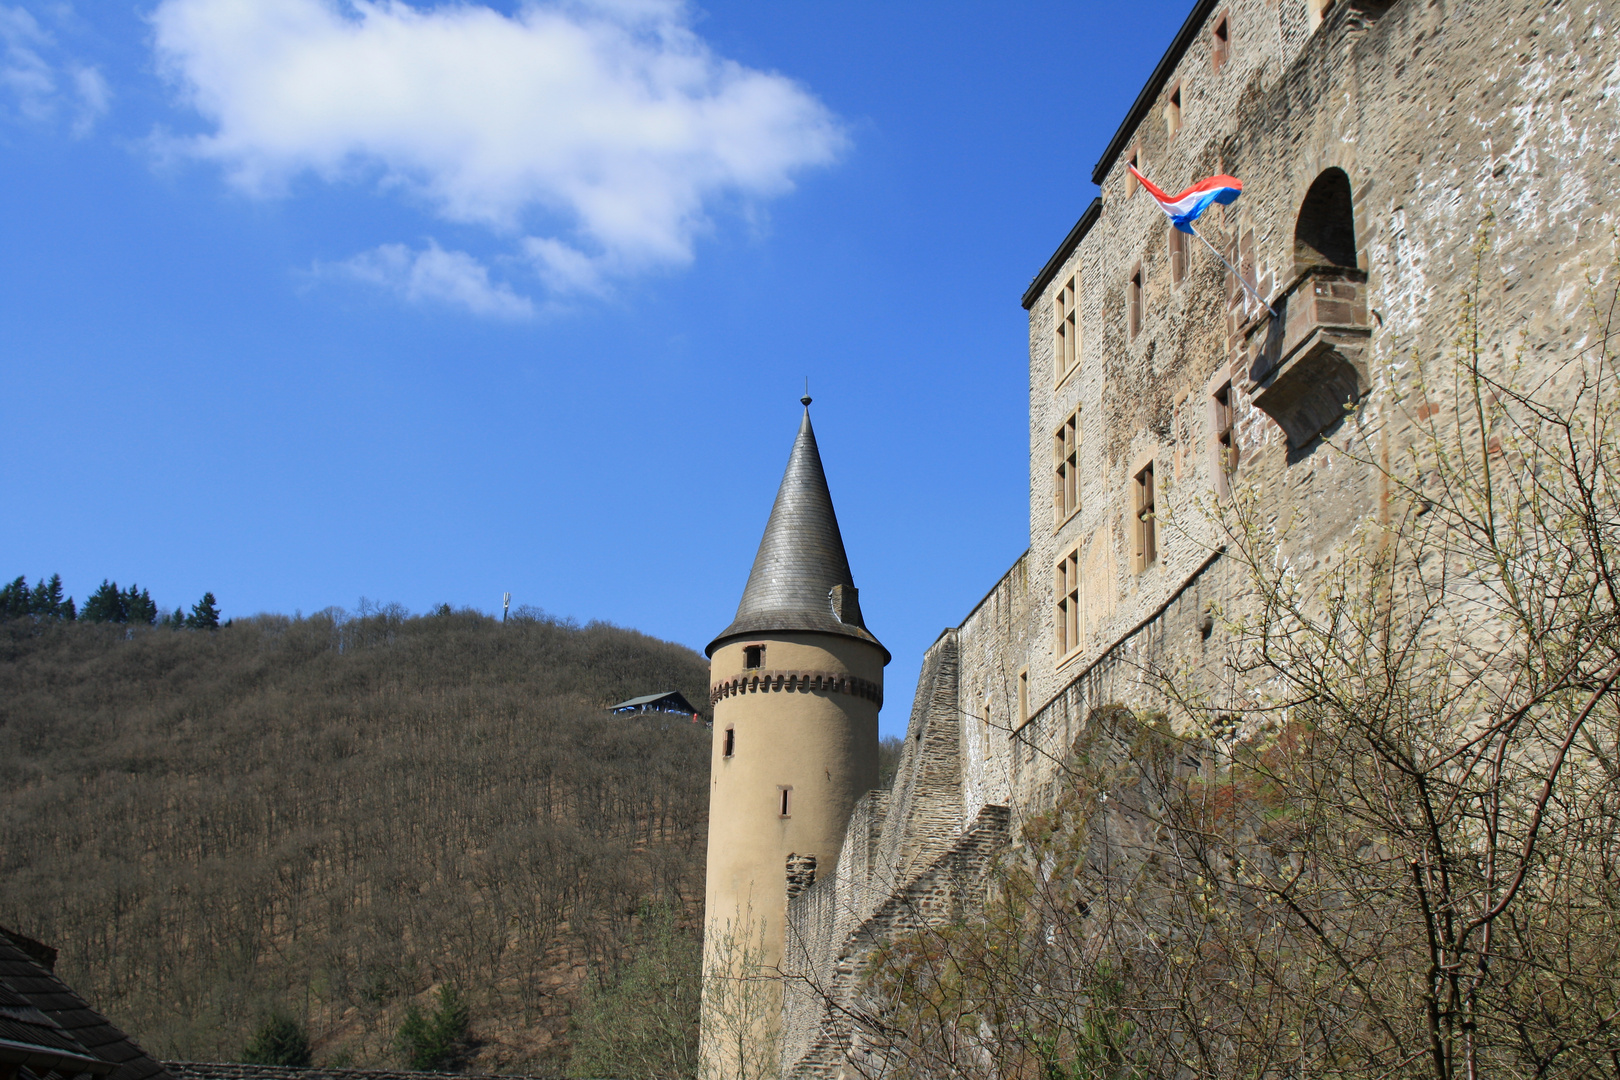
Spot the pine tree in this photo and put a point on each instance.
(14, 599)
(48, 601)
(138, 606)
(437, 1040)
(175, 621)
(204, 614)
(106, 604)
(280, 1040)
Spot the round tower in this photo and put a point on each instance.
(796, 681)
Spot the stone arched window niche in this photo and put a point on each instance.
(1325, 230)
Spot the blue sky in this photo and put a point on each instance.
(303, 301)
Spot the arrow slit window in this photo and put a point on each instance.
(1143, 524)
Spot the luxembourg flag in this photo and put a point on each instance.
(1184, 209)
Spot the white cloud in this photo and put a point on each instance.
(597, 135)
(432, 275)
(40, 84)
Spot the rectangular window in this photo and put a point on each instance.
(1178, 255)
(753, 656)
(1066, 468)
(1143, 522)
(1220, 45)
(1067, 590)
(1134, 160)
(787, 805)
(1223, 437)
(1065, 317)
(731, 741)
(1134, 301)
(1172, 111)
(1023, 696)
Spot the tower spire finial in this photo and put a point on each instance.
(805, 401)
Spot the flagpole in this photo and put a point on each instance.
(1229, 266)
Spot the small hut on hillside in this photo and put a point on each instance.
(670, 701)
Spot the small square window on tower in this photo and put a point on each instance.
(1178, 255)
(1133, 302)
(1172, 111)
(1145, 548)
(753, 656)
(1220, 41)
(1066, 468)
(1066, 320)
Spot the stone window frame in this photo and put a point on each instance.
(1220, 41)
(1066, 469)
(1067, 628)
(1133, 156)
(1225, 453)
(1174, 119)
(1143, 519)
(1180, 253)
(1066, 337)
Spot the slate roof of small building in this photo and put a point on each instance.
(49, 1007)
(209, 1070)
(30, 1038)
(801, 558)
(669, 697)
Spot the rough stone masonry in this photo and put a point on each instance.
(1375, 141)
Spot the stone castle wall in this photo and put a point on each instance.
(1440, 113)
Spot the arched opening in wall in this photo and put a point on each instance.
(1325, 233)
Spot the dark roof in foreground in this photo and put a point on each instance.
(40, 1002)
(801, 558)
(227, 1070)
(668, 697)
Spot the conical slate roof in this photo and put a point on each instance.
(801, 578)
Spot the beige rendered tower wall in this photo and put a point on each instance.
(796, 681)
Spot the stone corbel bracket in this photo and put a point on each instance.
(1309, 364)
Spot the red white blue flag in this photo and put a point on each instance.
(1184, 209)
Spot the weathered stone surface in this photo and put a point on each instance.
(1375, 145)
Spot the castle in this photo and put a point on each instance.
(1375, 139)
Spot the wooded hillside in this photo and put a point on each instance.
(328, 817)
